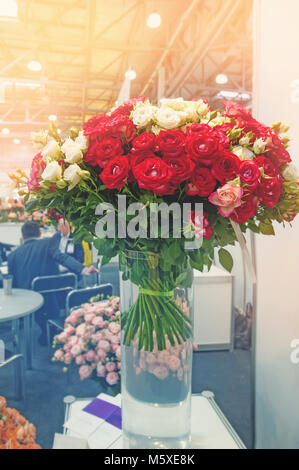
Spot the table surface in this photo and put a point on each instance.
(22, 302)
(210, 429)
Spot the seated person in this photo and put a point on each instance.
(40, 257)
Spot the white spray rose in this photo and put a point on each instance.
(201, 107)
(243, 153)
(259, 146)
(73, 175)
(290, 173)
(52, 172)
(168, 118)
(82, 141)
(72, 151)
(51, 151)
(39, 139)
(143, 114)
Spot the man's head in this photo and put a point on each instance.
(30, 230)
(64, 227)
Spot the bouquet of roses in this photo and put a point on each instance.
(91, 340)
(180, 152)
(15, 431)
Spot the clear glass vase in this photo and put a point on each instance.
(156, 305)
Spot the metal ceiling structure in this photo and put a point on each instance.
(86, 46)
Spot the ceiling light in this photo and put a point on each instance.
(5, 130)
(130, 74)
(16, 141)
(58, 131)
(8, 10)
(52, 117)
(221, 79)
(34, 65)
(227, 94)
(154, 20)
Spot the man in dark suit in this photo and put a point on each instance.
(40, 257)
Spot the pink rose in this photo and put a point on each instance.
(80, 360)
(101, 370)
(80, 330)
(85, 372)
(110, 366)
(89, 317)
(163, 356)
(90, 355)
(161, 372)
(104, 345)
(112, 378)
(101, 353)
(118, 352)
(68, 358)
(227, 198)
(73, 340)
(98, 321)
(76, 350)
(58, 355)
(114, 327)
(174, 363)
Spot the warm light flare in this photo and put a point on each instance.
(154, 20)
(130, 74)
(8, 9)
(221, 79)
(34, 65)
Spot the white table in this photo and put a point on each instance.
(21, 304)
(209, 427)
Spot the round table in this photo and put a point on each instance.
(21, 304)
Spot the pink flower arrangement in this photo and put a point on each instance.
(91, 340)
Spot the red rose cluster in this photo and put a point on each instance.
(201, 157)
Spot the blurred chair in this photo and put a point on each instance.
(57, 285)
(80, 296)
(17, 361)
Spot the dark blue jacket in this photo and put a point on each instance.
(38, 257)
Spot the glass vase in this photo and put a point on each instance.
(156, 306)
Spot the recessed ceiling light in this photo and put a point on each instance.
(52, 117)
(221, 78)
(5, 130)
(34, 65)
(130, 74)
(154, 20)
(16, 141)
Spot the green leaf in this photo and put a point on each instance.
(226, 259)
(266, 229)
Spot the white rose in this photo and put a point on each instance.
(51, 151)
(290, 173)
(178, 104)
(167, 118)
(243, 153)
(73, 175)
(39, 139)
(82, 141)
(259, 146)
(143, 114)
(52, 172)
(72, 151)
(202, 107)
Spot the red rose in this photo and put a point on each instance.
(182, 168)
(249, 173)
(153, 174)
(203, 143)
(121, 126)
(116, 172)
(225, 166)
(128, 106)
(171, 143)
(276, 151)
(99, 153)
(236, 110)
(202, 182)
(145, 141)
(201, 223)
(269, 191)
(138, 157)
(37, 167)
(246, 210)
(96, 126)
(269, 168)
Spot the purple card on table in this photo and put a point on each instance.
(105, 410)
